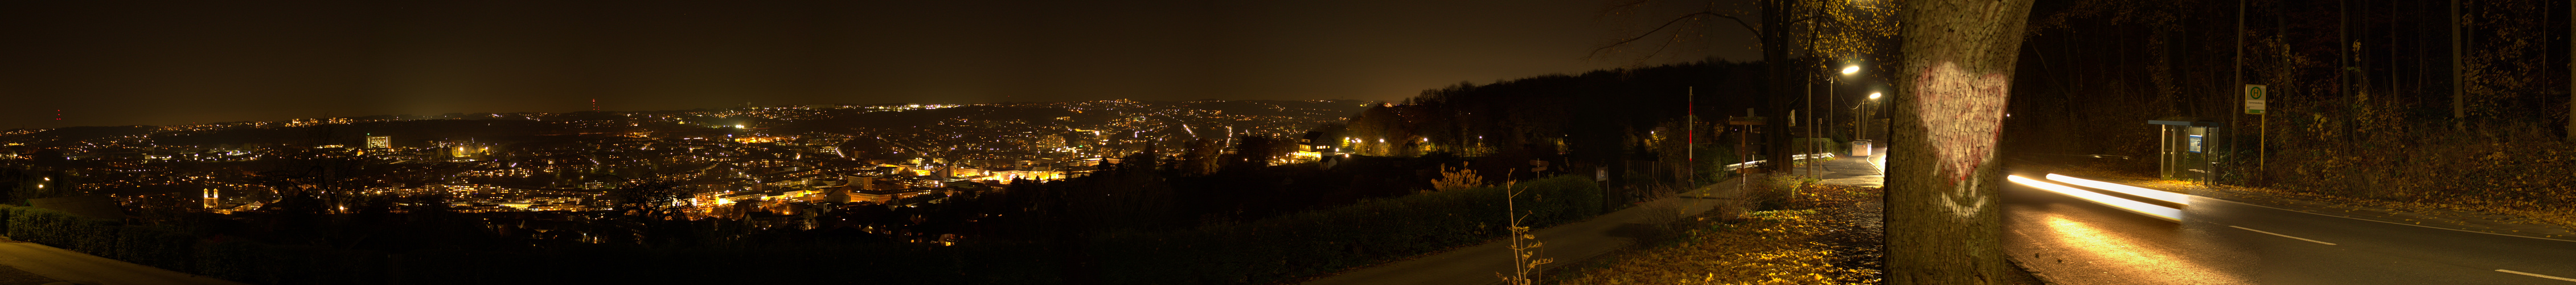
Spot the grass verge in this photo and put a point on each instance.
(1825, 234)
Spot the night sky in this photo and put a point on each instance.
(176, 62)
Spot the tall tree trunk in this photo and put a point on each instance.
(1957, 64)
(2459, 86)
(1783, 83)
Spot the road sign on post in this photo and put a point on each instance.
(2254, 97)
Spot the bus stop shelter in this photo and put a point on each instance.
(2185, 152)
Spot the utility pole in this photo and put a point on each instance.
(1807, 145)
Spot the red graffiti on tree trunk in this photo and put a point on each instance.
(1964, 113)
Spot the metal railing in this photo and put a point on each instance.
(1732, 167)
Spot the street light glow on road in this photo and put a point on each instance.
(2177, 198)
(2162, 212)
(2114, 249)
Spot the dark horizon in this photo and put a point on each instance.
(178, 63)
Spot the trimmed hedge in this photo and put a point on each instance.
(94, 236)
(151, 246)
(180, 251)
(1330, 240)
(156, 247)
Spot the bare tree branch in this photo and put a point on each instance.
(1757, 32)
(1667, 24)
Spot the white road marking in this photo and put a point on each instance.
(2379, 221)
(2537, 275)
(2282, 235)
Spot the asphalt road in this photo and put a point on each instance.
(2073, 241)
(79, 268)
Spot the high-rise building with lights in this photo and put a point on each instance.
(380, 141)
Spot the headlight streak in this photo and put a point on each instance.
(2176, 198)
(2161, 212)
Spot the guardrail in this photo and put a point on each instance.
(1732, 167)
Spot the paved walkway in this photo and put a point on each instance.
(1570, 243)
(1849, 170)
(1566, 243)
(13, 276)
(79, 268)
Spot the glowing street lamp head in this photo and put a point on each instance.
(1873, 95)
(1848, 70)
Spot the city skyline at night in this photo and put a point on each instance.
(1335, 142)
(179, 63)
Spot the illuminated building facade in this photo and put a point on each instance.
(211, 201)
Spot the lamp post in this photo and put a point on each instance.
(1860, 125)
(1830, 98)
(1874, 111)
(1848, 70)
(1815, 126)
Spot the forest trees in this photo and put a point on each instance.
(1800, 40)
(2371, 99)
(2505, 65)
(1584, 123)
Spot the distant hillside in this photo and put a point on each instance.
(515, 127)
(74, 134)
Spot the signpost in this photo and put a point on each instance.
(2254, 98)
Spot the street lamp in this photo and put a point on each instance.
(1816, 127)
(1848, 70)
(1861, 125)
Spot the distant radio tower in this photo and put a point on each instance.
(594, 104)
(58, 115)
